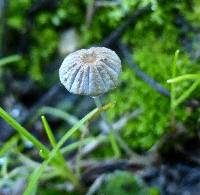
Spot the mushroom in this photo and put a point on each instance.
(92, 71)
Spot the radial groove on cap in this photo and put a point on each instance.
(73, 76)
(100, 75)
(110, 75)
(91, 71)
(111, 63)
(77, 81)
(101, 82)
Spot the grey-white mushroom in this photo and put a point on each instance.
(92, 71)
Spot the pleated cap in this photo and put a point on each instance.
(92, 71)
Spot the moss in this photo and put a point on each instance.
(191, 12)
(42, 29)
(153, 52)
(153, 42)
(123, 183)
(47, 42)
(149, 126)
(17, 14)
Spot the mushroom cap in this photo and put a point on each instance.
(92, 71)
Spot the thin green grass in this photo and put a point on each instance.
(58, 163)
(65, 169)
(184, 77)
(24, 132)
(55, 155)
(59, 114)
(34, 178)
(8, 145)
(48, 131)
(9, 59)
(173, 92)
(176, 101)
(186, 93)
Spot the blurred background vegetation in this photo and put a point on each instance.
(42, 33)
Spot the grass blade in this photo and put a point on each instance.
(75, 145)
(173, 93)
(72, 120)
(59, 114)
(33, 182)
(9, 59)
(184, 77)
(23, 132)
(8, 145)
(61, 166)
(48, 131)
(186, 94)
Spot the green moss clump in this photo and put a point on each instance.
(47, 42)
(142, 132)
(191, 11)
(124, 183)
(154, 47)
(153, 42)
(42, 29)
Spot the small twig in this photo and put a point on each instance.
(44, 100)
(90, 147)
(103, 167)
(102, 3)
(95, 186)
(117, 33)
(157, 86)
(91, 7)
(42, 5)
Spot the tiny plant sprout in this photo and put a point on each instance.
(92, 72)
